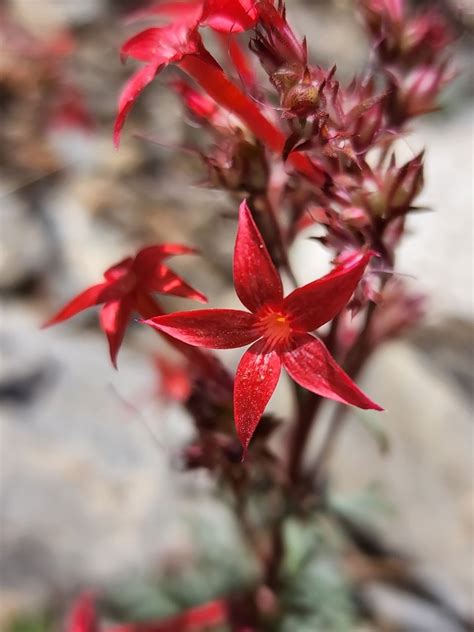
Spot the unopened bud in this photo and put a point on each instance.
(302, 99)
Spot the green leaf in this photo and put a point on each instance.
(318, 599)
(315, 596)
(364, 507)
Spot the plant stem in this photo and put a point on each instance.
(308, 405)
(329, 442)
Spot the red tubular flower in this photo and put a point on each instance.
(278, 327)
(127, 288)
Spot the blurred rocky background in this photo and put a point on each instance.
(90, 493)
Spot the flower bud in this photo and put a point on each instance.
(302, 99)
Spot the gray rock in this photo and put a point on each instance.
(85, 482)
(427, 475)
(56, 13)
(24, 243)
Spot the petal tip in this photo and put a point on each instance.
(244, 211)
(116, 137)
(201, 298)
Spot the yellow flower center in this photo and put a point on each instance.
(275, 326)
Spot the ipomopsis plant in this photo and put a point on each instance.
(300, 149)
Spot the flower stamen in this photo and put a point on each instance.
(275, 327)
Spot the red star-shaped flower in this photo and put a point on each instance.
(127, 288)
(278, 327)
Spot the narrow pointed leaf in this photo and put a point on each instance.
(94, 295)
(256, 279)
(311, 365)
(212, 328)
(114, 319)
(256, 379)
(318, 302)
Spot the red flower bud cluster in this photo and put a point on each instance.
(411, 49)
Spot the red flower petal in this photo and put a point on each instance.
(166, 281)
(144, 46)
(154, 276)
(134, 86)
(158, 47)
(241, 62)
(114, 318)
(311, 365)
(118, 270)
(229, 16)
(83, 616)
(207, 363)
(211, 78)
(94, 295)
(200, 105)
(163, 45)
(256, 379)
(256, 279)
(212, 328)
(152, 255)
(318, 302)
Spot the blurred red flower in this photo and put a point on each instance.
(127, 288)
